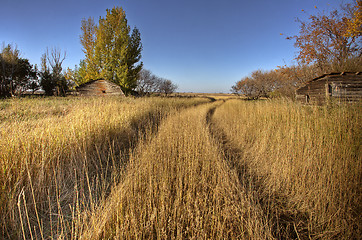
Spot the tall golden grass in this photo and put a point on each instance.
(178, 186)
(303, 164)
(174, 168)
(59, 157)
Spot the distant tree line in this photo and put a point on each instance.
(16, 73)
(148, 83)
(112, 52)
(18, 76)
(326, 42)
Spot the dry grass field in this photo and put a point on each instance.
(301, 164)
(206, 167)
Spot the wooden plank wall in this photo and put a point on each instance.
(315, 90)
(347, 89)
(343, 88)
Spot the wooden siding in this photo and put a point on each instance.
(99, 88)
(343, 87)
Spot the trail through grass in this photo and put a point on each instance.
(179, 186)
(59, 157)
(179, 168)
(302, 164)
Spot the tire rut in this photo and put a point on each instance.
(283, 224)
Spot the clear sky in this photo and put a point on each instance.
(201, 45)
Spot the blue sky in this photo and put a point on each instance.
(201, 45)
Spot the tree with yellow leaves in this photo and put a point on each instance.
(354, 24)
(112, 51)
(88, 40)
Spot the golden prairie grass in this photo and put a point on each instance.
(165, 168)
(303, 162)
(59, 157)
(178, 186)
(213, 96)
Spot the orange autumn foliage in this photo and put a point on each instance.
(331, 38)
(354, 25)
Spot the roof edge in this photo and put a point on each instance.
(92, 81)
(335, 74)
(329, 74)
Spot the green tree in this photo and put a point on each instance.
(15, 73)
(54, 82)
(75, 77)
(81, 73)
(111, 50)
(46, 80)
(47, 83)
(9, 58)
(24, 78)
(111, 46)
(133, 57)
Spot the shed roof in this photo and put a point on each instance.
(99, 87)
(333, 75)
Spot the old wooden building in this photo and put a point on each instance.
(340, 87)
(99, 88)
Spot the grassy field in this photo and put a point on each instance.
(179, 168)
(301, 164)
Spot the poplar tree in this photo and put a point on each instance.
(88, 41)
(112, 51)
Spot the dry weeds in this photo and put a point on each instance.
(60, 156)
(118, 168)
(304, 164)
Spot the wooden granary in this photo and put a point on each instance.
(340, 87)
(99, 88)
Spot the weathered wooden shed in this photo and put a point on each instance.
(99, 88)
(342, 87)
